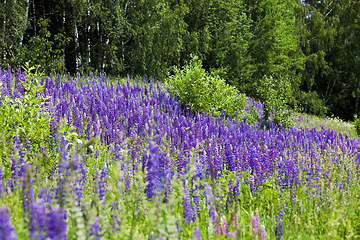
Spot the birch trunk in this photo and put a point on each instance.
(26, 18)
(63, 27)
(78, 54)
(76, 39)
(88, 60)
(104, 59)
(101, 41)
(328, 94)
(122, 38)
(4, 51)
(43, 7)
(34, 12)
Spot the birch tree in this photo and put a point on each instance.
(26, 20)
(13, 25)
(76, 39)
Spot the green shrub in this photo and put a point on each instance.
(357, 125)
(206, 92)
(275, 95)
(24, 116)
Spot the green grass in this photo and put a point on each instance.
(312, 121)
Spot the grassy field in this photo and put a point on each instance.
(94, 159)
(311, 121)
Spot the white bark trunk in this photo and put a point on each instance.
(26, 18)
(78, 54)
(101, 40)
(76, 39)
(4, 51)
(88, 39)
(34, 12)
(104, 59)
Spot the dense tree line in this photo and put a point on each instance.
(309, 48)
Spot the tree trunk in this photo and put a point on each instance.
(88, 56)
(123, 43)
(102, 45)
(77, 50)
(63, 28)
(4, 50)
(76, 39)
(26, 18)
(328, 93)
(34, 13)
(104, 59)
(43, 7)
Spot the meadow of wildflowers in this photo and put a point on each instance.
(125, 160)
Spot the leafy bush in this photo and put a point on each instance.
(357, 125)
(22, 112)
(204, 92)
(275, 94)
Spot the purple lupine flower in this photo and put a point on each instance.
(104, 175)
(279, 224)
(263, 236)
(229, 157)
(102, 190)
(7, 230)
(114, 223)
(63, 161)
(79, 190)
(210, 202)
(218, 227)
(28, 144)
(196, 201)
(51, 225)
(56, 227)
(21, 166)
(46, 195)
(38, 220)
(95, 228)
(53, 138)
(235, 222)
(96, 180)
(255, 222)
(197, 234)
(257, 229)
(232, 235)
(189, 215)
(11, 181)
(224, 225)
(28, 194)
(80, 183)
(155, 172)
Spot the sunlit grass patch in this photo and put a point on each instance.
(311, 121)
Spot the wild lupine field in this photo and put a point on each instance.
(90, 158)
